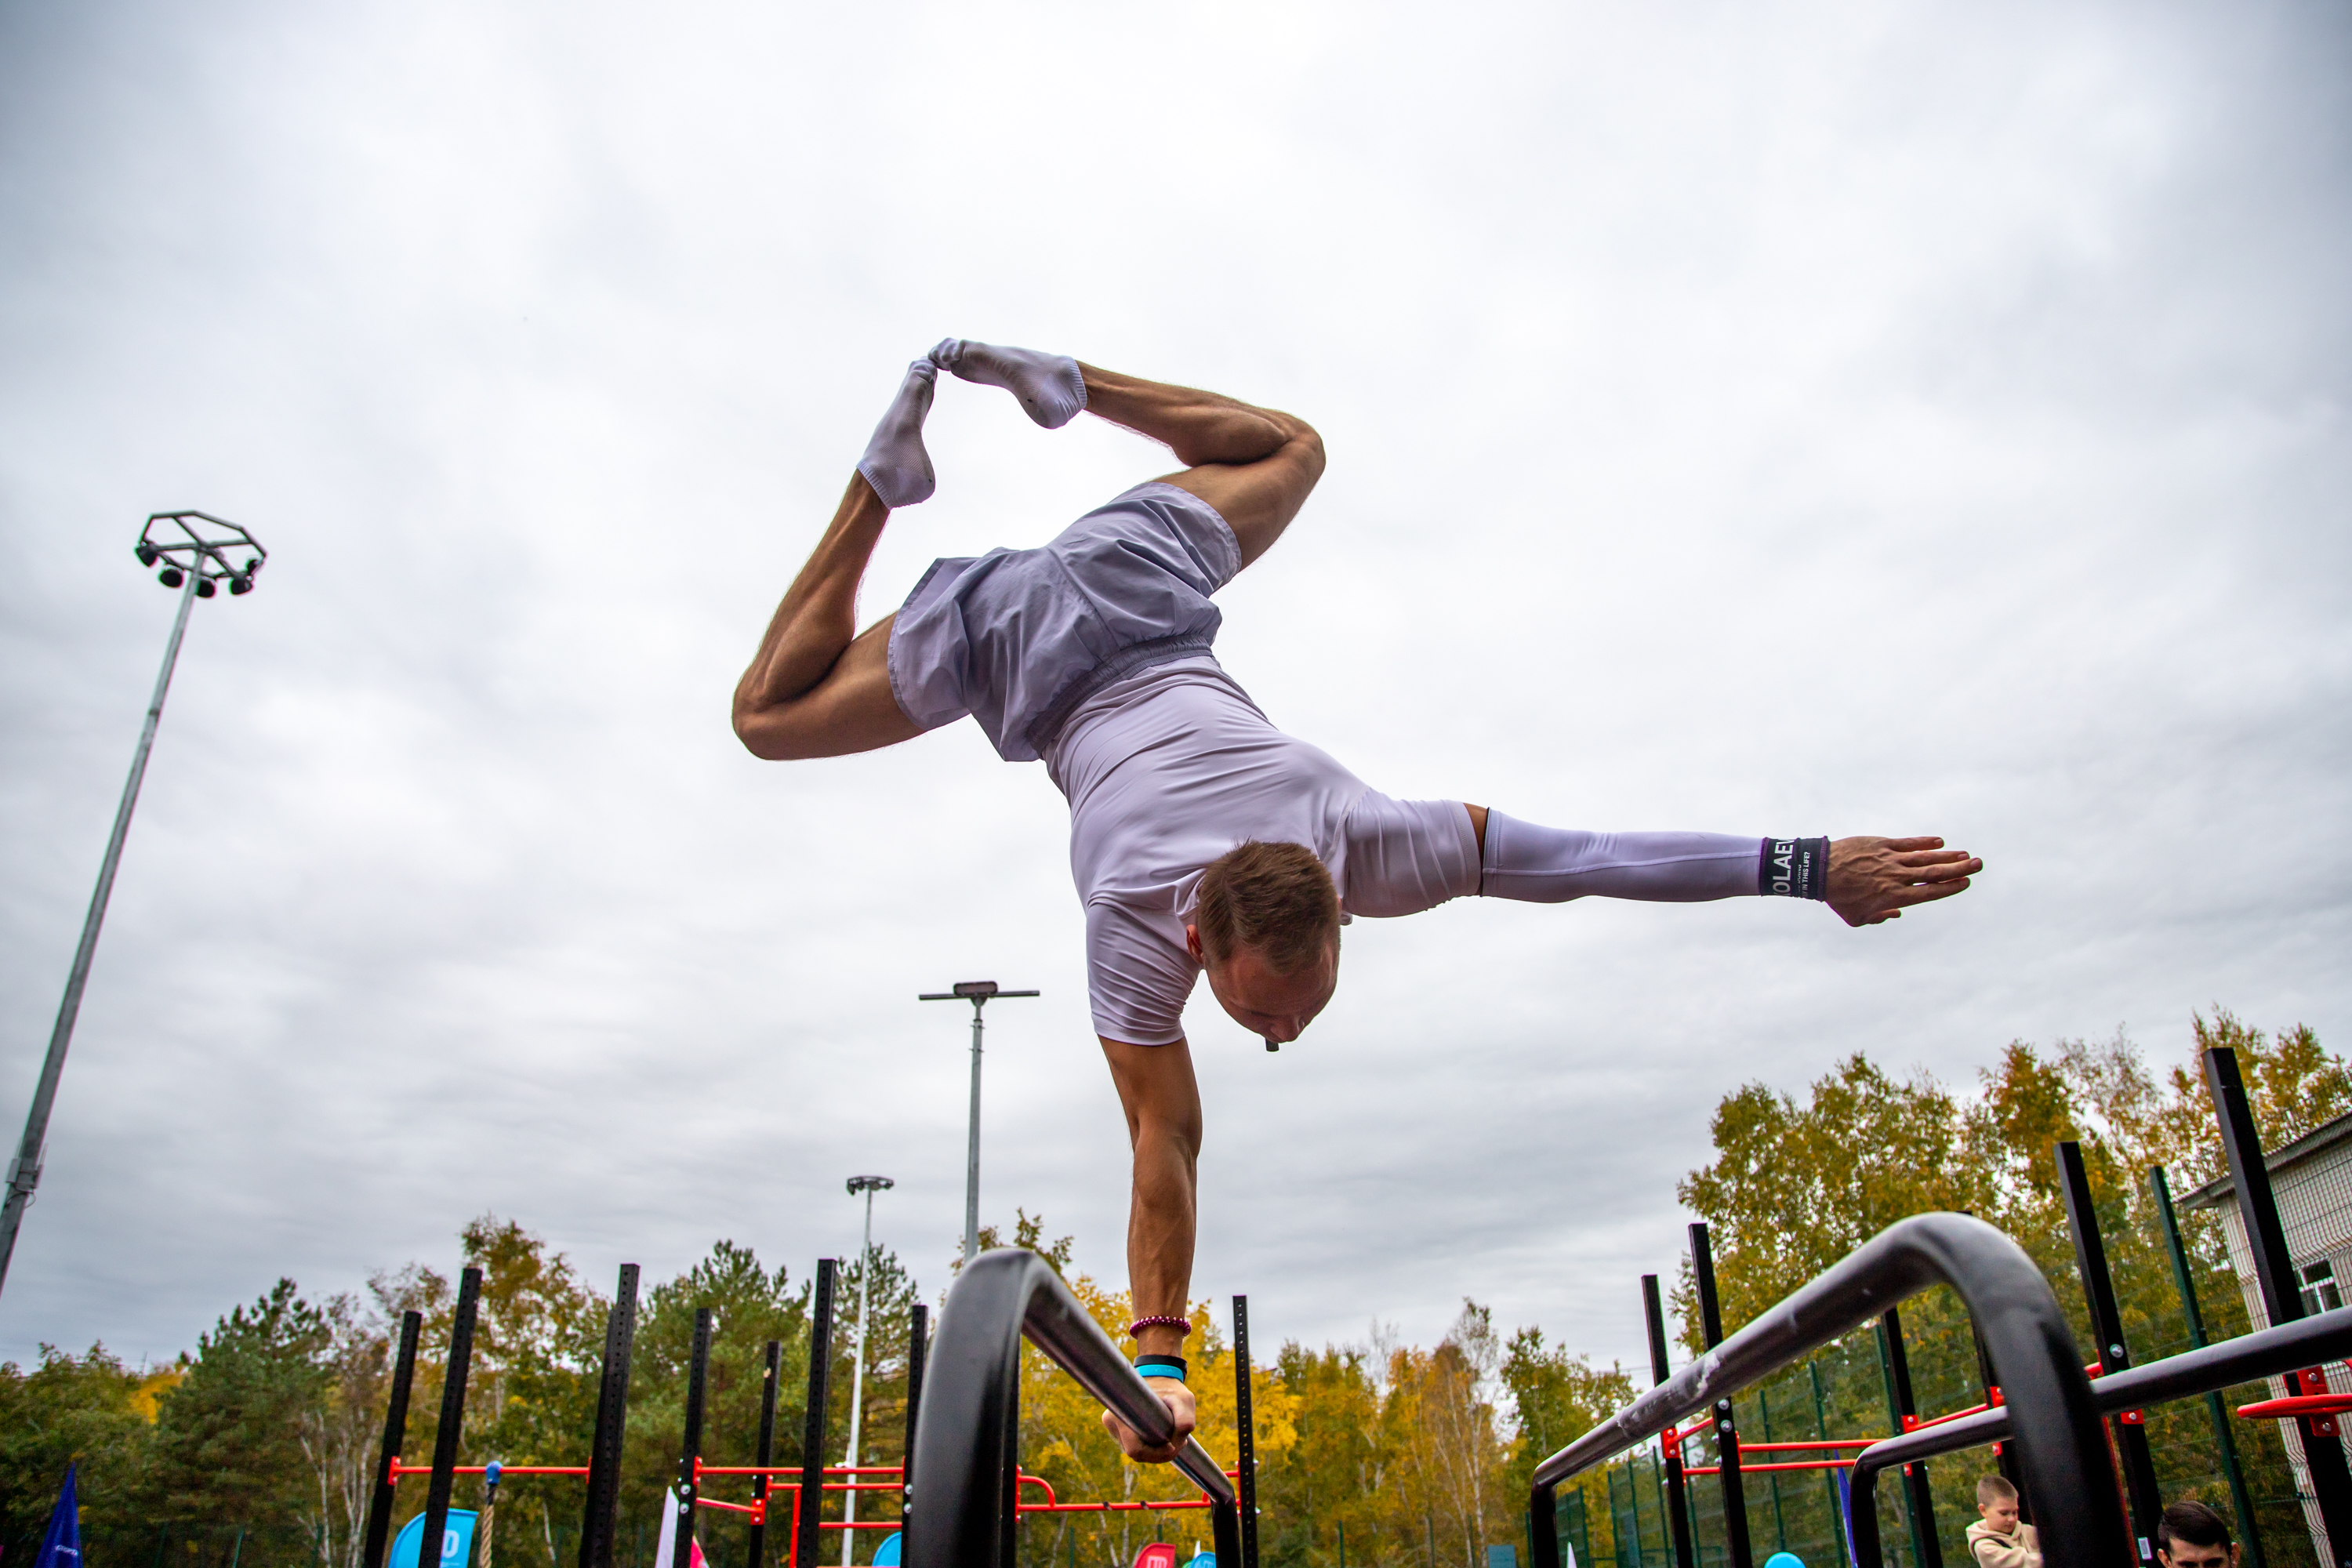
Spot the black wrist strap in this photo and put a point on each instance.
(1793, 868)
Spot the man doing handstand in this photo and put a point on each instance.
(1204, 840)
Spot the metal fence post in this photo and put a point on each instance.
(1918, 1501)
(689, 1458)
(1243, 1421)
(1726, 1424)
(1677, 1509)
(600, 1514)
(2107, 1328)
(755, 1545)
(812, 1497)
(395, 1429)
(453, 1419)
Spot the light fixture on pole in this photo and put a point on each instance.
(977, 993)
(869, 1185)
(193, 548)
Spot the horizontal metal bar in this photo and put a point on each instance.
(2266, 1352)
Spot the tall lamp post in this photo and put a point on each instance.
(192, 550)
(977, 993)
(869, 1185)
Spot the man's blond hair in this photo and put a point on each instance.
(1274, 899)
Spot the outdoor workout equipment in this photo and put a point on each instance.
(962, 1513)
(2039, 1397)
(602, 1472)
(194, 559)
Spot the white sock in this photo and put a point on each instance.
(895, 463)
(1048, 385)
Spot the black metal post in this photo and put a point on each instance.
(1008, 1516)
(804, 1539)
(2323, 1452)
(2003, 1460)
(755, 1546)
(1245, 1422)
(2225, 1436)
(453, 1421)
(1917, 1497)
(1654, 1314)
(599, 1521)
(1727, 1424)
(2108, 1328)
(689, 1456)
(918, 1345)
(395, 1427)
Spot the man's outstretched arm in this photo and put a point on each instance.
(1163, 1127)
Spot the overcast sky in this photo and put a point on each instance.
(1788, 418)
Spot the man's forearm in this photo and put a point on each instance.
(1160, 1228)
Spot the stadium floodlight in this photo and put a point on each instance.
(196, 552)
(977, 993)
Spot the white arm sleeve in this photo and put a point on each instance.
(1552, 864)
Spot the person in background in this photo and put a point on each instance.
(2191, 1535)
(2000, 1540)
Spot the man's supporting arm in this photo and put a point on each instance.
(1162, 1103)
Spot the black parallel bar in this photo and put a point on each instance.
(2266, 1352)
(599, 1519)
(2323, 1453)
(690, 1454)
(2115, 1355)
(964, 1438)
(453, 1417)
(1920, 1497)
(1654, 1314)
(396, 1429)
(755, 1546)
(1244, 1421)
(2225, 1438)
(918, 1343)
(2062, 1449)
(812, 1424)
(1727, 1424)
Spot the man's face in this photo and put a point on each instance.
(2001, 1513)
(2188, 1554)
(1276, 1006)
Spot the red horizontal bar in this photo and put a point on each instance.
(398, 1470)
(701, 1468)
(1747, 1447)
(2298, 1405)
(755, 1509)
(1103, 1506)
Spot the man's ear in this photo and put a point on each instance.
(1192, 945)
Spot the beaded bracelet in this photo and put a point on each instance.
(1134, 1329)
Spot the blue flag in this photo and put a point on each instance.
(61, 1547)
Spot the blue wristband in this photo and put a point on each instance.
(1160, 1366)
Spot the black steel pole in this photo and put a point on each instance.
(2003, 1460)
(452, 1423)
(755, 1546)
(395, 1427)
(2108, 1328)
(1677, 1506)
(1921, 1500)
(1244, 1423)
(1727, 1424)
(2225, 1436)
(2323, 1452)
(1008, 1518)
(812, 1424)
(689, 1456)
(600, 1515)
(919, 1346)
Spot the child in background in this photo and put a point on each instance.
(1998, 1540)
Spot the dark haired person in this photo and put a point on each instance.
(1999, 1539)
(1203, 839)
(2191, 1535)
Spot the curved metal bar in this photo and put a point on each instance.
(2265, 1353)
(2061, 1449)
(964, 1434)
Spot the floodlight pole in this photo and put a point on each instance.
(869, 1185)
(194, 566)
(976, 991)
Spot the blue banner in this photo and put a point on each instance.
(61, 1547)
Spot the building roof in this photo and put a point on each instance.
(2328, 1135)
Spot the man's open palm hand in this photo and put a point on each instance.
(1875, 879)
(1178, 1400)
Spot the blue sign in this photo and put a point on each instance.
(887, 1554)
(457, 1540)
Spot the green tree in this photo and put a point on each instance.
(226, 1443)
(68, 1410)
